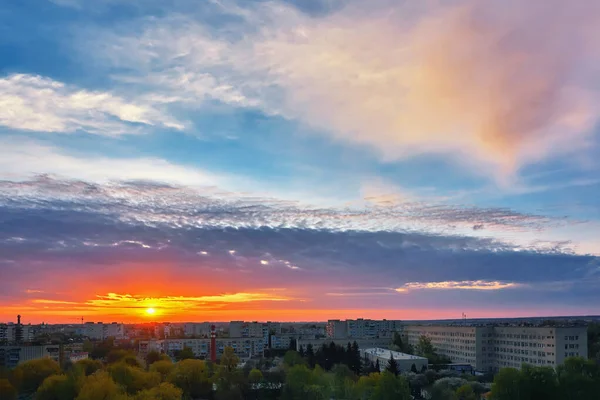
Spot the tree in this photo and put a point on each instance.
(424, 347)
(88, 366)
(310, 355)
(465, 392)
(578, 378)
(391, 387)
(413, 368)
(304, 384)
(152, 357)
(7, 390)
(100, 386)
(392, 366)
(229, 359)
(255, 376)
(355, 361)
(32, 373)
(186, 354)
(539, 383)
(377, 366)
(192, 377)
(57, 387)
(301, 351)
(164, 391)
(133, 379)
(292, 358)
(507, 385)
(163, 368)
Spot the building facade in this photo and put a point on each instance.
(11, 356)
(243, 347)
(362, 328)
(101, 331)
(489, 348)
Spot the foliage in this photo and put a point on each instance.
(32, 373)
(152, 357)
(425, 349)
(391, 387)
(186, 354)
(164, 391)
(293, 358)
(58, 387)
(88, 366)
(163, 368)
(133, 379)
(229, 359)
(192, 377)
(100, 386)
(303, 383)
(7, 390)
(255, 376)
(465, 392)
(578, 378)
(392, 366)
(121, 355)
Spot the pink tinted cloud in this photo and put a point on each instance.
(504, 82)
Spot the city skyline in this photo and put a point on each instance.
(298, 161)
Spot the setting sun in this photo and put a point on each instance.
(150, 311)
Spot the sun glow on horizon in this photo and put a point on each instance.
(150, 311)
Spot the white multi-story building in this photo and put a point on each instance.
(493, 347)
(282, 341)
(243, 347)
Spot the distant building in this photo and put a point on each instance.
(101, 331)
(363, 343)
(243, 347)
(201, 329)
(405, 361)
(489, 348)
(362, 328)
(11, 356)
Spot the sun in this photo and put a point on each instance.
(150, 311)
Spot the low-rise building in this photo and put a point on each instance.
(11, 356)
(405, 361)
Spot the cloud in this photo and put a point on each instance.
(36, 103)
(480, 81)
(458, 285)
(20, 159)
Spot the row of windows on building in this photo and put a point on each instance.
(518, 336)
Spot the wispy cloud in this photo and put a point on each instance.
(36, 103)
(457, 285)
(376, 75)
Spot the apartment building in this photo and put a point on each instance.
(362, 328)
(201, 329)
(336, 329)
(243, 347)
(493, 347)
(101, 331)
(9, 333)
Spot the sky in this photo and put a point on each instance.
(221, 160)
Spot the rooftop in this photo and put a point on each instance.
(387, 354)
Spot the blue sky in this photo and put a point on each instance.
(389, 150)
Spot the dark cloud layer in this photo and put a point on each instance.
(85, 231)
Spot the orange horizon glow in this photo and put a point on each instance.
(127, 308)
